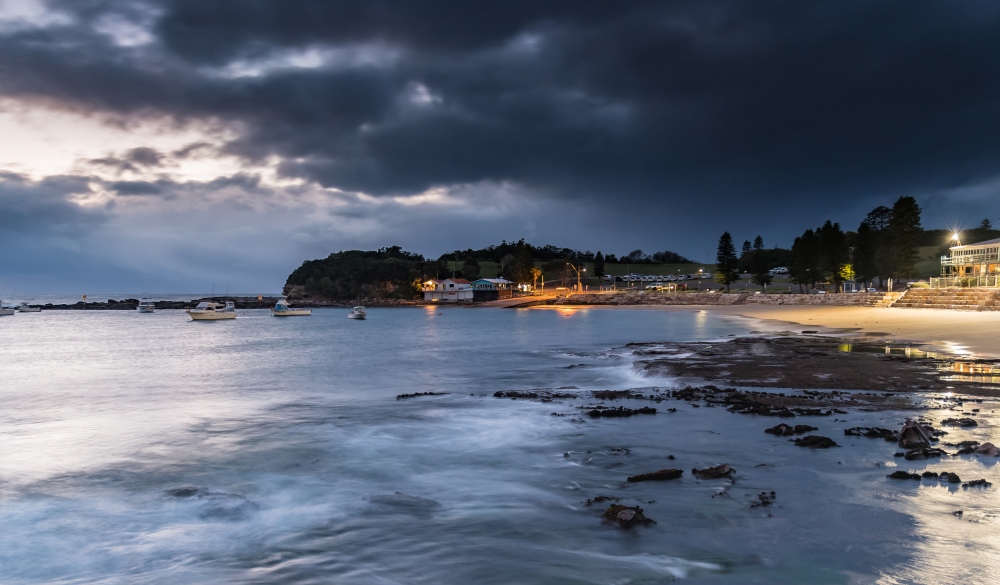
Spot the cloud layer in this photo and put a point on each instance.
(439, 125)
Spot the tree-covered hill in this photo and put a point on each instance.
(352, 274)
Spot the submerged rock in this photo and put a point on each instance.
(903, 475)
(816, 442)
(872, 433)
(988, 449)
(416, 394)
(626, 516)
(621, 411)
(977, 483)
(601, 499)
(717, 472)
(402, 500)
(661, 475)
(960, 422)
(967, 447)
(949, 477)
(784, 430)
(925, 453)
(764, 499)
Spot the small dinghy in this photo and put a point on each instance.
(357, 313)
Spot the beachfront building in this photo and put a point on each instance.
(448, 290)
(972, 265)
(491, 289)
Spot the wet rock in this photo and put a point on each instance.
(723, 471)
(949, 477)
(215, 505)
(764, 499)
(959, 422)
(925, 453)
(903, 475)
(929, 474)
(615, 394)
(872, 433)
(957, 513)
(915, 435)
(619, 412)
(601, 499)
(784, 430)
(815, 442)
(515, 394)
(977, 483)
(416, 394)
(967, 447)
(988, 449)
(626, 516)
(661, 475)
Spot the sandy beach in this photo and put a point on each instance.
(972, 333)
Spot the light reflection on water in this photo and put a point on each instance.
(291, 426)
(956, 370)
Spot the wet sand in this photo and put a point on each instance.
(971, 333)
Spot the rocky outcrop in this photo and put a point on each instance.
(784, 430)
(723, 471)
(915, 435)
(816, 442)
(661, 475)
(626, 516)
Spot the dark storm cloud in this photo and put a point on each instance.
(36, 207)
(699, 107)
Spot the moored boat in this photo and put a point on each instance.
(209, 311)
(25, 308)
(358, 313)
(146, 306)
(6, 310)
(282, 309)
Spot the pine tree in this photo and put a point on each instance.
(470, 268)
(726, 262)
(758, 264)
(833, 252)
(905, 230)
(805, 260)
(864, 255)
(599, 264)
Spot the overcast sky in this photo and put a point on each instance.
(176, 145)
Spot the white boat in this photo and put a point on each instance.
(24, 308)
(357, 313)
(209, 311)
(146, 306)
(6, 310)
(281, 309)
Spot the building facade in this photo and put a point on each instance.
(449, 290)
(491, 289)
(973, 265)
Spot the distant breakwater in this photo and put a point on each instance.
(132, 304)
(240, 302)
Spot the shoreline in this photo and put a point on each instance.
(960, 333)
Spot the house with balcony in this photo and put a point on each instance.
(972, 265)
(448, 290)
(491, 289)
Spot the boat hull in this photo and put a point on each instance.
(356, 316)
(210, 315)
(6, 311)
(29, 309)
(292, 313)
(145, 309)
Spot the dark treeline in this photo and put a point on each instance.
(548, 253)
(394, 273)
(885, 246)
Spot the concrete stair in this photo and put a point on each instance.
(889, 299)
(967, 299)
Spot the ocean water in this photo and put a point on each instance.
(149, 448)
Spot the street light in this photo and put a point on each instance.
(954, 236)
(579, 287)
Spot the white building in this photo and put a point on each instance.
(449, 290)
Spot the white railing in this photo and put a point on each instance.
(988, 281)
(969, 259)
